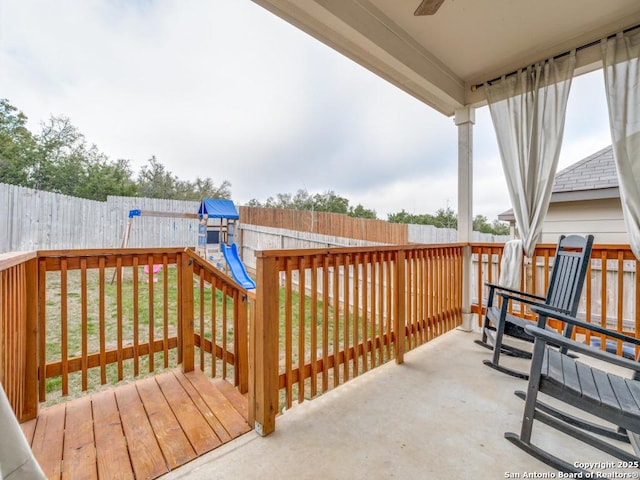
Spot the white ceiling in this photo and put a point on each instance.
(438, 58)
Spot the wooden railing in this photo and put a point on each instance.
(101, 318)
(220, 323)
(70, 319)
(611, 294)
(73, 320)
(326, 315)
(18, 332)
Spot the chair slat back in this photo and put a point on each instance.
(569, 270)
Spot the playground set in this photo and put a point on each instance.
(218, 222)
(216, 231)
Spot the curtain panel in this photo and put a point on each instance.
(528, 113)
(621, 67)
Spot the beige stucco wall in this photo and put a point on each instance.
(602, 218)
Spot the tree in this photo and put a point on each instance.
(254, 202)
(205, 188)
(405, 217)
(360, 212)
(481, 224)
(17, 145)
(328, 201)
(107, 178)
(399, 217)
(446, 218)
(499, 228)
(155, 181)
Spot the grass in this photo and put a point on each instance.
(338, 338)
(134, 298)
(135, 295)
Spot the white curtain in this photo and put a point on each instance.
(528, 112)
(621, 61)
(16, 459)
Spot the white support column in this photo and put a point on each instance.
(464, 119)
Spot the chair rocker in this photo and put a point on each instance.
(608, 396)
(563, 294)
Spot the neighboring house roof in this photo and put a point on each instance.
(596, 172)
(591, 178)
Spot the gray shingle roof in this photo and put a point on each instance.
(592, 173)
(590, 178)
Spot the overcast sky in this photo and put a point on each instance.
(224, 89)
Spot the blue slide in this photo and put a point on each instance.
(236, 266)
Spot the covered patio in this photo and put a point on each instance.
(328, 318)
(458, 55)
(441, 414)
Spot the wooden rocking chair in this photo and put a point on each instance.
(565, 286)
(605, 395)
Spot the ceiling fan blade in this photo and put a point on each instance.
(428, 7)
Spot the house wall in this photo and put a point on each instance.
(601, 218)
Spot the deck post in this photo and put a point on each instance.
(400, 298)
(241, 370)
(186, 307)
(30, 401)
(464, 120)
(263, 348)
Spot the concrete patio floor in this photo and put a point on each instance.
(442, 414)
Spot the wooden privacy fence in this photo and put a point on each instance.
(39, 220)
(74, 320)
(610, 297)
(326, 315)
(326, 223)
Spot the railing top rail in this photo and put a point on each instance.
(11, 259)
(608, 247)
(98, 252)
(207, 267)
(300, 252)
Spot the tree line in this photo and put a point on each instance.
(447, 218)
(58, 158)
(328, 201)
(331, 202)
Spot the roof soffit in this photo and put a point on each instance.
(437, 58)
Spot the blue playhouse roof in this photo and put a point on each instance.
(218, 208)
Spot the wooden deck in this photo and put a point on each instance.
(137, 431)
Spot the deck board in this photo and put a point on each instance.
(200, 434)
(144, 451)
(139, 430)
(29, 428)
(233, 422)
(79, 446)
(238, 400)
(48, 440)
(172, 441)
(111, 445)
(206, 412)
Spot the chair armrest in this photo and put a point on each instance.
(562, 341)
(511, 290)
(544, 311)
(529, 301)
